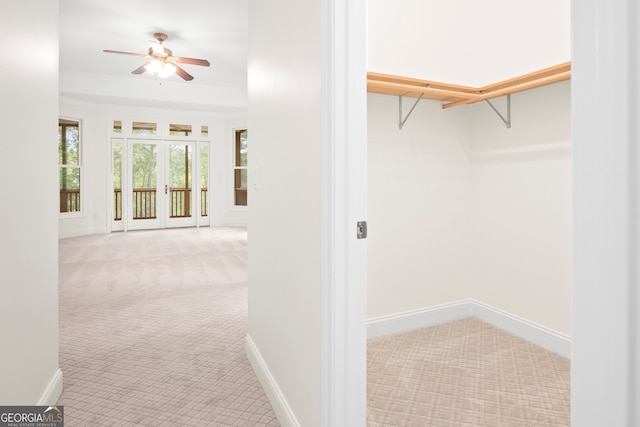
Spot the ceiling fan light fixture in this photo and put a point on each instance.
(162, 63)
(166, 70)
(154, 66)
(160, 68)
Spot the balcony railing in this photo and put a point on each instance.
(180, 202)
(117, 204)
(241, 196)
(204, 201)
(144, 200)
(69, 200)
(144, 203)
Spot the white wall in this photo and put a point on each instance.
(285, 125)
(29, 371)
(444, 41)
(96, 157)
(522, 207)
(419, 204)
(461, 207)
(125, 90)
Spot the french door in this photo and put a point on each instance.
(159, 183)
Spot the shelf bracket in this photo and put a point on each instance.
(401, 120)
(506, 121)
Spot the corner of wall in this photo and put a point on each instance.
(535, 333)
(53, 391)
(277, 399)
(458, 188)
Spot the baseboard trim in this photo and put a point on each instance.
(81, 233)
(421, 318)
(278, 401)
(547, 338)
(53, 391)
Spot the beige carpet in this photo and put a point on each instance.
(465, 373)
(152, 328)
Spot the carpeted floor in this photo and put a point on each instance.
(465, 373)
(152, 328)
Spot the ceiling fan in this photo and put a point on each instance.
(162, 62)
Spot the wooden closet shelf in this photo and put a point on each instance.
(454, 95)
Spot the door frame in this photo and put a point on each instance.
(344, 258)
(198, 219)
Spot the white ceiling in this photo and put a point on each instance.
(467, 42)
(464, 42)
(216, 30)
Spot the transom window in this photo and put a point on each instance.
(179, 130)
(144, 128)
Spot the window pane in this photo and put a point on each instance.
(117, 181)
(240, 172)
(145, 128)
(69, 160)
(117, 126)
(179, 130)
(240, 178)
(144, 165)
(204, 131)
(204, 166)
(243, 178)
(68, 142)
(69, 178)
(180, 165)
(241, 148)
(117, 165)
(144, 181)
(240, 181)
(69, 189)
(204, 180)
(180, 191)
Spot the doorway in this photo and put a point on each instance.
(160, 182)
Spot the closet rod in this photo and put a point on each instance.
(428, 91)
(513, 89)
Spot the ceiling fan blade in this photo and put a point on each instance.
(141, 69)
(192, 61)
(182, 73)
(124, 53)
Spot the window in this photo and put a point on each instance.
(204, 179)
(69, 165)
(179, 130)
(117, 179)
(144, 128)
(240, 168)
